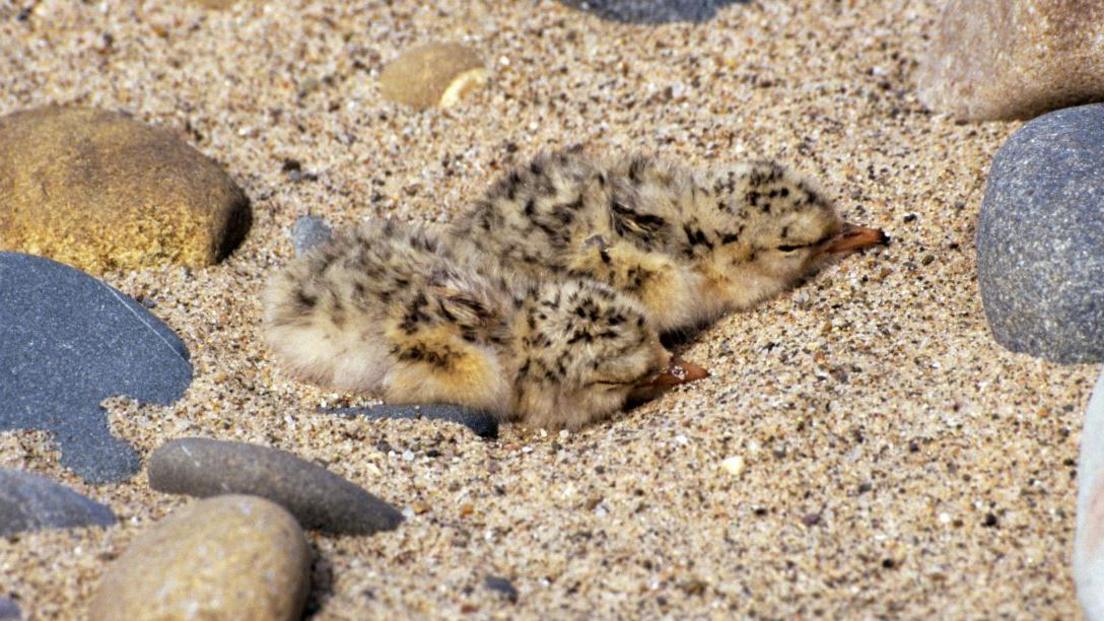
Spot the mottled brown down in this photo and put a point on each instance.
(689, 247)
(400, 311)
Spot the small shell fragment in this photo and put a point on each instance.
(733, 465)
(437, 74)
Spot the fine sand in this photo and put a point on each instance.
(893, 461)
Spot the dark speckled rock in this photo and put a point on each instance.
(653, 11)
(1040, 238)
(318, 498)
(67, 342)
(31, 502)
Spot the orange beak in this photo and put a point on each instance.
(854, 238)
(678, 372)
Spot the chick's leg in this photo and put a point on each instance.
(435, 365)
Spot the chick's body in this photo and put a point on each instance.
(399, 311)
(689, 247)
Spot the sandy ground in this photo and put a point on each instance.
(896, 462)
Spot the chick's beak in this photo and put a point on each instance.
(854, 238)
(679, 371)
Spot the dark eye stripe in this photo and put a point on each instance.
(791, 248)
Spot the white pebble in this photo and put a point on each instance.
(734, 465)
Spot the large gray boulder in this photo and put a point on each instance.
(1040, 238)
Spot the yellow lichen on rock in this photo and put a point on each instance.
(101, 191)
(438, 74)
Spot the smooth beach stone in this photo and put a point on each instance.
(318, 498)
(653, 11)
(238, 558)
(1088, 553)
(32, 502)
(308, 233)
(1014, 59)
(437, 74)
(482, 423)
(1040, 238)
(67, 342)
(502, 586)
(9, 610)
(102, 191)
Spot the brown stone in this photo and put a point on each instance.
(1014, 59)
(228, 557)
(438, 74)
(101, 191)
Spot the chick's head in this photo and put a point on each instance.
(776, 228)
(584, 350)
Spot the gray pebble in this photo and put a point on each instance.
(318, 498)
(9, 610)
(502, 586)
(309, 232)
(653, 11)
(31, 502)
(1040, 238)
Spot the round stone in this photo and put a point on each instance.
(30, 502)
(1040, 238)
(101, 191)
(317, 497)
(228, 557)
(437, 74)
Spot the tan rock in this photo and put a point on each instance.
(238, 558)
(1014, 59)
(438, 74)
(102, 191)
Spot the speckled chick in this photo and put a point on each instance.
(394, 310)
(689, 247)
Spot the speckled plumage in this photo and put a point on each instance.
(417, 318)
(689, 247)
